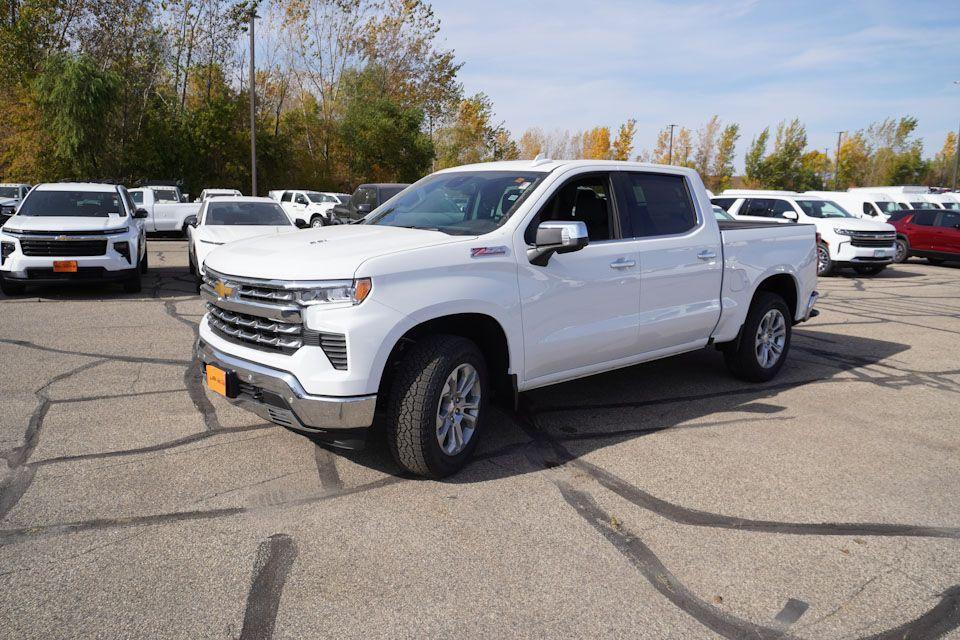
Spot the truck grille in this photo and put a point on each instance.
(254, 330)
(883, 239)
(261, 328)
(65, 248)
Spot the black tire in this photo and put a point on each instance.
(825, 266)
(741, 356)
(317, 221)
(414, 399)
(133, 284)
(869, 269)
(902, 252)
(935, 261)
(145, 263)
(12, 288)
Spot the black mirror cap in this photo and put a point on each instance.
(141, 214)
(190, 221)
(301, 224)
(364, 208)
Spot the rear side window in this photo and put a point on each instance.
(756, 207)
(924, 218)
(165, 195)
(724, 203)
(949, 219)
(388, 192)
(137, 197)
(655, 204)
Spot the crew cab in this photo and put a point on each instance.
(226, 219)
(494, 279)
(365, 199)
(73, 232)
(845, 240)
(310, 208)
(166, 210)
(11, 195)
(931, 233)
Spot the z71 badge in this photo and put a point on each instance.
(482, 252)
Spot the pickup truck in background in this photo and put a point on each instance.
(491, 280)
(308, 208)
(206, 194)
(167, 212)
(365, 199)
(11, 195)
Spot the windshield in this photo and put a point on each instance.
(80, 204)
(951, 205)
(165, 195)
(313, 196)
(461, 203)
(9, 192)
(249, 214)
(923, 205)
(887, 207)
(823, 209)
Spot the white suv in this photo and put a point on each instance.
(845, 240)
(70, 232)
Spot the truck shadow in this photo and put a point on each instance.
(160, 282)
(688, 391)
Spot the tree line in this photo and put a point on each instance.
(348, 91)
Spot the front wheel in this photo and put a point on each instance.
(436, 406)
(902, 251)
(764, 341)
(145, 262)
(316, 221)
(869, 269)
(824, 263)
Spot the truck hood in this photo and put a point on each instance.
(231, 233)
(66, 224)
(5, 202)
(324, 253)
(856, 224)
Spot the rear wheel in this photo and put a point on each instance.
(869, 269)
(436, 405)
(902, 251)
(317, 221)
(12, 288)
(764, 341)
(824, 263)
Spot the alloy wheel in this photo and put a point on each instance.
(771, 338)
(458, 409)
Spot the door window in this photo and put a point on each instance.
(868, 209)
(779, 208)
(137, 197)
(655, 204)
(302, 199)
(286, 197)
(584, 198)
(365, 196)
(924, 218)
(949, 219)
(756, 207)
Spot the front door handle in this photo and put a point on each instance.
(623, 263)
(706, 254)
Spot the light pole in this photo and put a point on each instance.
(253, 106)
(836, 173)
(670, 153)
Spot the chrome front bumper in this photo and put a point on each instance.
(279, 397)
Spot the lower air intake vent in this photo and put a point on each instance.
(334, 345)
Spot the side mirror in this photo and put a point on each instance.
(364, 208)
(791, 215)
(140, 214)
(557, 237)
(301, 224)
(191, 221)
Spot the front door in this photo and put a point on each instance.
(580, 310)
(923, 232)
(948, 233)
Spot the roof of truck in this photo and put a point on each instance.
(547, 165)
(77, 186)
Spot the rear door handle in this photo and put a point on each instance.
(623, 263)
(706, 254)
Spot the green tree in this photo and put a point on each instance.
(471, 135)
(754, 165)
(722, 171)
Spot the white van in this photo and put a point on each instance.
(867, 246)
(909, 196)
(946, 200)
(868, 205)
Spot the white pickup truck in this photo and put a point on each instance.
(11, 195)
(494, 279)
(167, 212)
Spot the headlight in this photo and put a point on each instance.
(210, 242)
(843, 232)
(334, 291)
(120, 230)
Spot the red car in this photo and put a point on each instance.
(933, 234)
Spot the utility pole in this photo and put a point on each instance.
(670, 154)
(836, 173)
(253, 106)
(956, 154)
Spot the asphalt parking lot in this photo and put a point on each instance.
(667, 500)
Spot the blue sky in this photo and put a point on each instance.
(836, 65)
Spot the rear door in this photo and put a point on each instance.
(948, 232)
(580, 310)
(681, 263)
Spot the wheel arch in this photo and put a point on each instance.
(784, 285)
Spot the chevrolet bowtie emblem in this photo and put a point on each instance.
(223, 289)
(62, 237)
